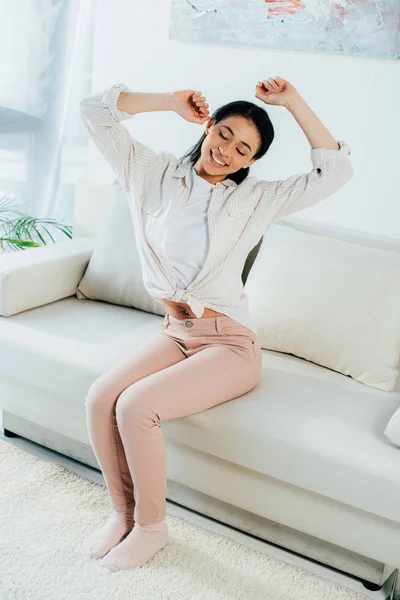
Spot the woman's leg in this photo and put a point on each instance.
(221, 366)
(158, 353)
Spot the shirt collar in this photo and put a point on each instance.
(183, 170)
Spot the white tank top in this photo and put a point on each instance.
(186, 241)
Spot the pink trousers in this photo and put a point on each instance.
(186, 367)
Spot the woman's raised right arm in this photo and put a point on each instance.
(137, 102)
(102, 114)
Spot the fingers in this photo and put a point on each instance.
(200, 102)
(272, 84)
(198, 95)
(200, 120)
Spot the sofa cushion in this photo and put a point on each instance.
(114, 272)
(328, 301)
(302, 423)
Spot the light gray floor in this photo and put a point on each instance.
(198, 519)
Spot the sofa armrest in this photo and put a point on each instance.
(39, 276)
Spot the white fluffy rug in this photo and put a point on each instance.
(46, 511)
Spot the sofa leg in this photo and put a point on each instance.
(10, 434)
(391, 583)
(372, 587)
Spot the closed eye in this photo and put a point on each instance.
(224, 138)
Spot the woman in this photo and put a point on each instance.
(196, 220)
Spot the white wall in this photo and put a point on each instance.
(357, 98)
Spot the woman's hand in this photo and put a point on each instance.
(276, 91)
(190, 105)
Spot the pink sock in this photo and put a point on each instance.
(98, 543)
(137, 548)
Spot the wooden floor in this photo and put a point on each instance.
(198, 519)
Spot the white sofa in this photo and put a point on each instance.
(301, 461)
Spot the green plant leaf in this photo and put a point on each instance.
(19, 231)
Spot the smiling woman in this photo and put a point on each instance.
(197, 221)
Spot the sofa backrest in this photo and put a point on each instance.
(90, 206)
(92, 200)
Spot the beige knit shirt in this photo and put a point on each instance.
(238, 216)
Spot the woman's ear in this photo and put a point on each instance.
(209, 124)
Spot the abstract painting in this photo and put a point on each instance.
(358, 27)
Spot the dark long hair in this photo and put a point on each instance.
(239, 108)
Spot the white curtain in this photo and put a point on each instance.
(46, 53)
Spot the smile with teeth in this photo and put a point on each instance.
(215, 159)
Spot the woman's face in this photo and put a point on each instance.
(233, 141)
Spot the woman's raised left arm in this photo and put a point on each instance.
(330, 158)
